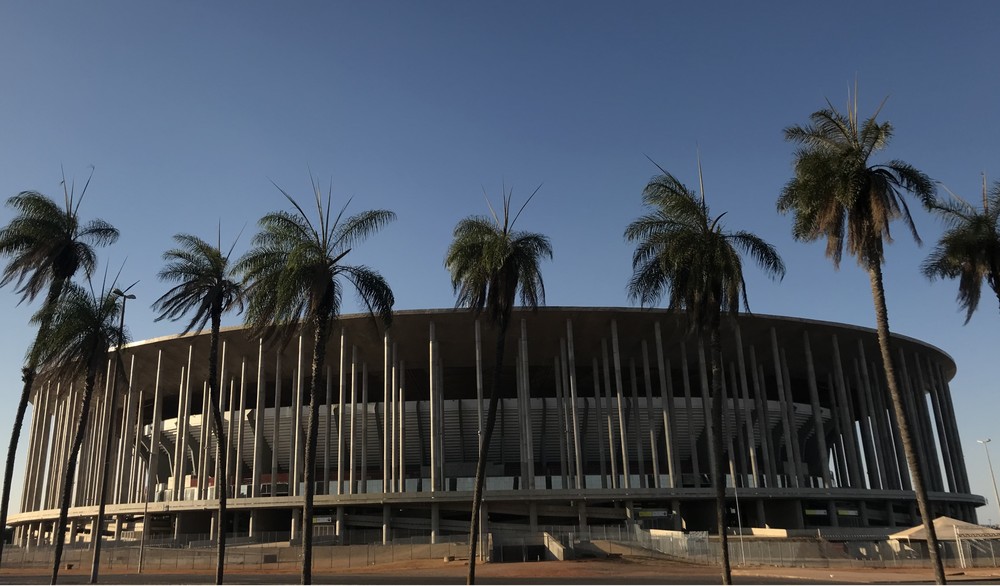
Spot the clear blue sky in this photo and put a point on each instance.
(189, 110)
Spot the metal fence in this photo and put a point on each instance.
(193, 554)
(364, 547)
(698, 547)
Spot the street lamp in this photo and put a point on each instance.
(996, 493)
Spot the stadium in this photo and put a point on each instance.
(603, 420)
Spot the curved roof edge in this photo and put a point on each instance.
(594, 309)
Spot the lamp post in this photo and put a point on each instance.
(986, 446)
(112, 402)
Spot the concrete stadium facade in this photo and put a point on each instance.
(603, 419)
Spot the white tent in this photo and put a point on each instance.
(948, 529)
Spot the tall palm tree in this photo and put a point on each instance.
(970, 248)
(684, 253)
(490, 264)
(838, 194)
(206, 287)
(46, 245)
(81, 328)
(294, 274)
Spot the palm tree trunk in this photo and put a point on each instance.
(221, 449)
(322, 323)
(917, 473)
(491, 419)
(718, 467)
(28, 376)
(58, 536)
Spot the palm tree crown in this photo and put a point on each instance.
(969, 250)
(837, 194)
(491, 263)
(294, 269)
(47, 244)
(686, 254)
(205, 283)
(82, 330)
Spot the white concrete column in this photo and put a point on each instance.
(739, 457)
(386, 415)
(228, 418)
(636, 424)
(434, 431)
(241, 411)
(276, 432)
(341, 402)
(706, 409)
(258, 424)
(647, 379)
(691, 421)
(328, 411)
(787, 425)
(821, 447)
(848, 433)
(41, 449)
(955, 440)
(763, 421)
(124, 447)
(32, 456)
(401, 447)
(598, 422)
(479, 386)
(747, 407)
(354, 409)
(609, 416)
(296, 439)
(134, 484)
(204, 466)
(561, 417)
(529, 433)
(154, 443)
(394, 408)
(179, 468)
(942, 432)
(577, 450)
(870, 464)
(878, 437)
(880, 420)
(667, 404)
(364, 427)
(621, 411)
(798, 466)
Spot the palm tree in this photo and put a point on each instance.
(207, 288)
(838, 194)
(970, 248)
(490, 264)
(46, 245)
(81, 328)
(683, 252)
(294, 274)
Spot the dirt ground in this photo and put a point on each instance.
(626, 570)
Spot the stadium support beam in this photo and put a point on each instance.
(667, 398)
(816, 411)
